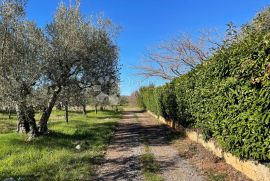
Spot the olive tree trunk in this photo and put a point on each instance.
(23, 125)
(26, 120)
(30, 114)
(101, 108)
(43, 127)
(84, 109)
(66, 112)
(9, 113)
(96, 109)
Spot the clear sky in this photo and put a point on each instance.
(147, 22)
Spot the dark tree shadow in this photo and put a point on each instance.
(131, 134)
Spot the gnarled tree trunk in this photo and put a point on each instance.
(30, 114)
(26, 120)
(23, 125)
(43, 128)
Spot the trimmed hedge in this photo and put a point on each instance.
(228, 96)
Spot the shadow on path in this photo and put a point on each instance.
(137, 128)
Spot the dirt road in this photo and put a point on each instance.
(122, 160)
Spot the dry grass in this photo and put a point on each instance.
(214, 168)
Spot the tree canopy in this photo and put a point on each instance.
(39, 63)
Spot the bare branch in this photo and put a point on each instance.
(172, 58)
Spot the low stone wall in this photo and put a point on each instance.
(252, 169)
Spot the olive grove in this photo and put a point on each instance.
(40, 65)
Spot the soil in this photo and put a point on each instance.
(179, 158)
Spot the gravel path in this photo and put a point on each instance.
(122, 161)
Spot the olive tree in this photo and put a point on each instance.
(36, 65)
(80, 51)
(21, 63)
(75, 97)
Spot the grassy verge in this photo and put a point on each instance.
(150, 167)
(55, 157)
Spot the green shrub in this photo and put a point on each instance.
(148, 99)
(228, 96)
(167, 101)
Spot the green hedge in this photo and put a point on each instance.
(228, 96)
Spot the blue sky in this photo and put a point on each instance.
(147, 22)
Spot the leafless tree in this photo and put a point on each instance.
(174, 57)
(132, 99)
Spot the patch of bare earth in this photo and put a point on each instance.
(172, 166)
(213, 167)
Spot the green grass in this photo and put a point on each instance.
(54, 157)
(150, 167)
(214, 176)
(7, 125)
